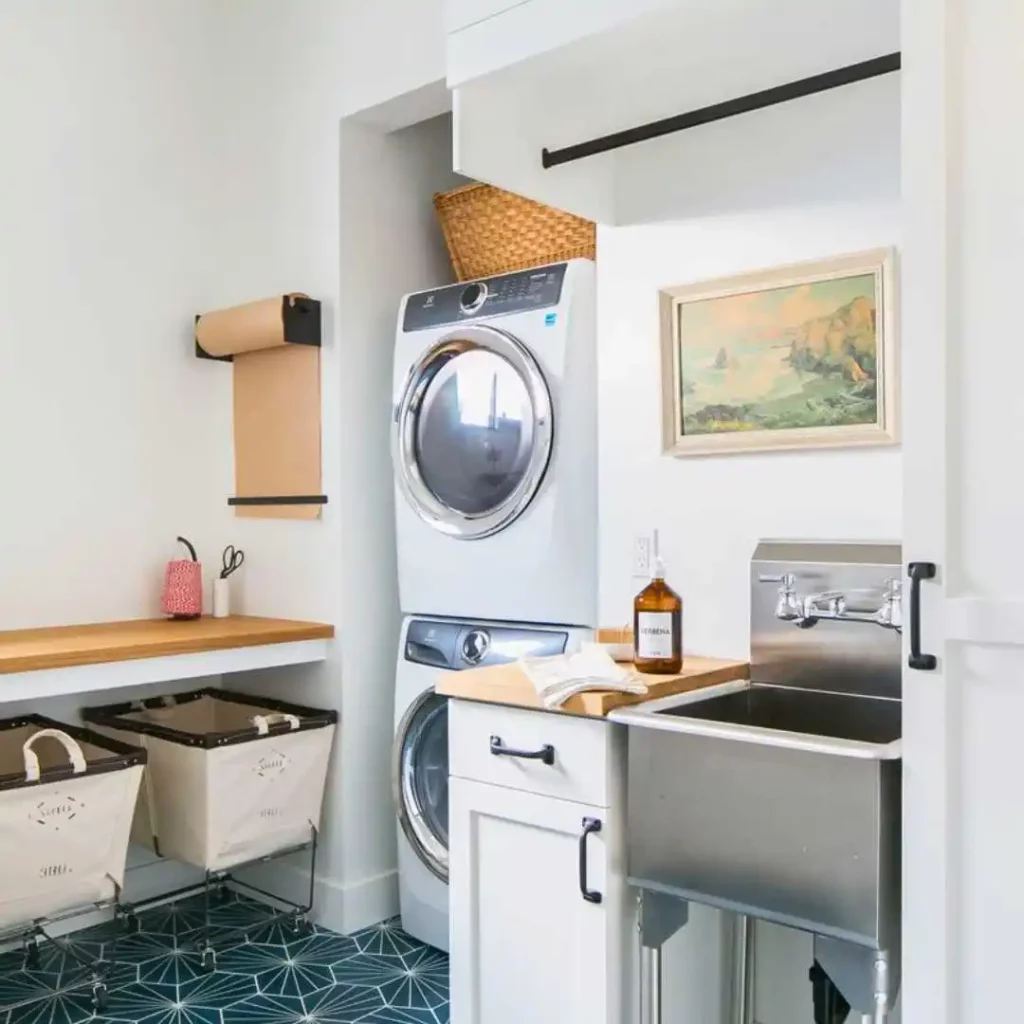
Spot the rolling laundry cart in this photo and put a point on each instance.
(232, 780)
(66, 801)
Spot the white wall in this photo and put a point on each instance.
(712, 511)
(302, 199)
(106, 419)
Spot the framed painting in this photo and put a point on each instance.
(803, 356)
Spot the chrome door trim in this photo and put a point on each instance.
(428, 847)
(403, 432)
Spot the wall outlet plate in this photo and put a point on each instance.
(641, 555)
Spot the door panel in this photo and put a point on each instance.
(526, 946)
(963, 197)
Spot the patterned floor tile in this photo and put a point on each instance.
(275, 976)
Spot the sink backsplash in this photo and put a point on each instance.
(827, 616)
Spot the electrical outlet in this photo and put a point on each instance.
(641, 555)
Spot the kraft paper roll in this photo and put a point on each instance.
(251, 327)
(276, 397)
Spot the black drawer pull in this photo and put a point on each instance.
(919, 571)
(545, 754)
(590, 825)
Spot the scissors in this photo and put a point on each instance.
(233, 559)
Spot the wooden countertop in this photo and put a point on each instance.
(32, 650)
(506, 684)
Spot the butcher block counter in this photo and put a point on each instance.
(508, 685)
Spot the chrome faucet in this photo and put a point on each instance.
(806, 610)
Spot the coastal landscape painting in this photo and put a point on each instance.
(800, 356)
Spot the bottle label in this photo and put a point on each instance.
(654, 635)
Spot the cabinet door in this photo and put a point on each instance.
(525, 944)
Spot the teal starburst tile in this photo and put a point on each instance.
(158, 1004)
(266, 1010)
(62, 1008)
(291, 979)
(342, 1004)
(424, 984)
(324, 948)
(399, 1015)
(373, 971)
(217, 990)
(385, 939)
(174, 967)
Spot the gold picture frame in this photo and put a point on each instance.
(801, 356)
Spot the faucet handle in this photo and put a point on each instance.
(787, 579)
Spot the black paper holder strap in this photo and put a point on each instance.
(284, 499)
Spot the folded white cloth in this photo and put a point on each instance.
(558, 678)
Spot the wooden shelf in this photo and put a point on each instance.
(74, 659)
(506, 684)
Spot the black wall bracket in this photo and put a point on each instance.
(300, 320)
(729, 108)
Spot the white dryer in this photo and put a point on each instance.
(495, 448)
(420, 759)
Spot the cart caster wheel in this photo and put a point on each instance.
(300, 926)
(32, 958)
(209, 960)
(99, 998)
(132, 923)
(223, 894)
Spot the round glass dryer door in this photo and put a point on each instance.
(420, 778)
(473, 433)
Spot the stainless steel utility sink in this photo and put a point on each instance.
(781, 798)
(839, 716)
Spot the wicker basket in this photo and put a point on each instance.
(490, 231)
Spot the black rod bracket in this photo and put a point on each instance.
(859, 72)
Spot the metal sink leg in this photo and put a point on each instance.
(867, 978)
(659, 917)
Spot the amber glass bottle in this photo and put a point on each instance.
(658, 624)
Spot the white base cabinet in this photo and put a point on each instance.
(541, 921)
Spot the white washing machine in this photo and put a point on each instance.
(420, 763)
(494, 447)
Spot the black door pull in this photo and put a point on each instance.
(590, 825)
(546, 754)
(919, 571)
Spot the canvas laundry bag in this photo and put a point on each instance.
(66, 801)
(230, 778)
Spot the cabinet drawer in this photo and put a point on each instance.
(586, 760)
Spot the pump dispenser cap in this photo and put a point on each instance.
(658, 563)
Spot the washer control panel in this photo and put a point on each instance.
(539, 288)
(460, 645)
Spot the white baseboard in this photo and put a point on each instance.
(343, 907)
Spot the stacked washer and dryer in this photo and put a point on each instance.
(495, 461)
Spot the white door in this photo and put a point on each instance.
(963, 363)
(526, 945)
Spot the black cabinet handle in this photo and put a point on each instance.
(590, 825)
(545, 754)
(919, 571)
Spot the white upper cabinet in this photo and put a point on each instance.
(550, 74)
(487, 35)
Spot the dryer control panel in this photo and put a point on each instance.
(459, 645)
(538, 288)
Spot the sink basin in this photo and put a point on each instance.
(811, 713)
(783, 804)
